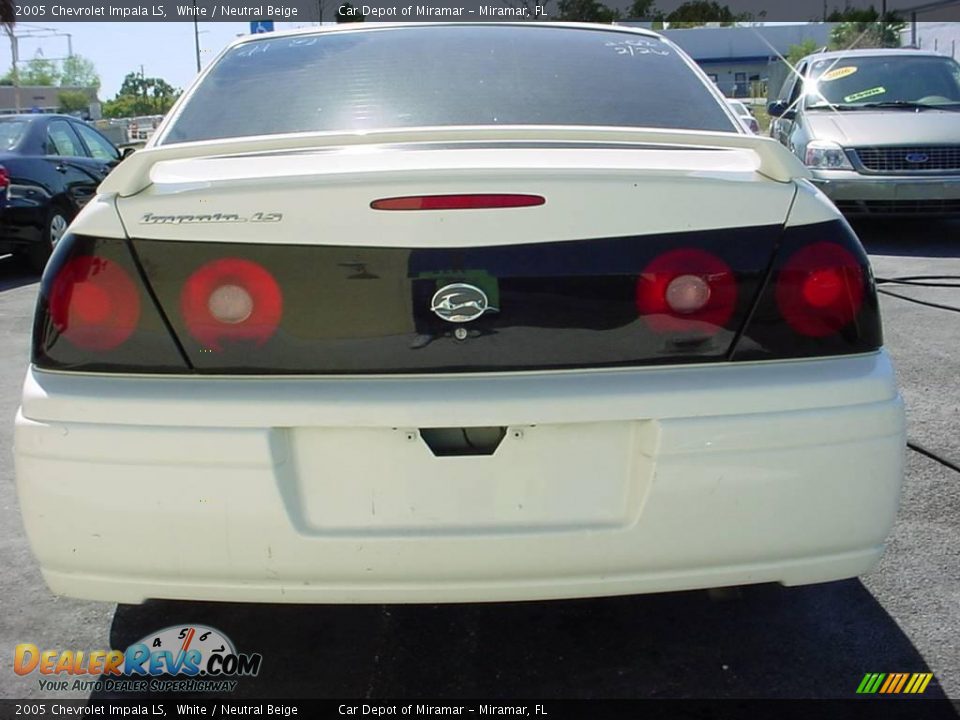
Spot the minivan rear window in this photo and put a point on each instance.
(446, 75)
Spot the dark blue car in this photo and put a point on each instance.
(53, 165)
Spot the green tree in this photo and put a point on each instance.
(644, 9)
(78, 71)
(586, 11)
(73, 101)
(123, 106)
(798, 52)
(141, 95)
(864, 29)
(39, 71)
(695, 13)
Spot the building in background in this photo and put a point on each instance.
(940, 37)
(744, 61)
(41, 99)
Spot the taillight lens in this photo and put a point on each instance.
(819, 299)
(4, 178)
(94, 312)
(686, 290)
(819, 289)
(229, 300)
(94, 303)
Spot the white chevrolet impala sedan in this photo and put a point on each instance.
(455, 312)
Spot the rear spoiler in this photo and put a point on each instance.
(775, 161)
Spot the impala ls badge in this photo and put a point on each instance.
(460, 303)
(917, 157)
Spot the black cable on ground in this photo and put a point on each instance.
(906, 278)
(918, 448)
(916, 283)
(920, 302)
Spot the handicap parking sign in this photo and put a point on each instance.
(261, 27)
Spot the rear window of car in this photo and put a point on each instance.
(10, 133)
(447, 75)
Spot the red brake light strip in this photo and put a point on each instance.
(472, 201)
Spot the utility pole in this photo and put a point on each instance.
(29, 32)
(15, 58)
(196, 34)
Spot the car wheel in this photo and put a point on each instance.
(56, 226)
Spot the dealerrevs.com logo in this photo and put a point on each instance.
(186, 658)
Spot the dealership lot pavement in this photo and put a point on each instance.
(816, 641)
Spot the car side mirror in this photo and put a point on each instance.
(778, 109)
(127, 152)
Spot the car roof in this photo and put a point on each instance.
(37, 116)
(872, 52)
(374, 27)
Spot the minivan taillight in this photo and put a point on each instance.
(4, 179)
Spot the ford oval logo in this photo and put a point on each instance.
(916, 157)
(459, 303)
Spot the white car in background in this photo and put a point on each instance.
(743, 112)
(367, 322)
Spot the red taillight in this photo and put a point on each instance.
(820, 289)
(473, 201)
(686, 290)
(231, 299)
(4, 178)
(94, 303)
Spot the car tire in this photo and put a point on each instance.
(54, 229)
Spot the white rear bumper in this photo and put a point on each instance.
(321, 490)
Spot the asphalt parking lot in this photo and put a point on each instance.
(815, 641)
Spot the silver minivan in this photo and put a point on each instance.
(879, 129)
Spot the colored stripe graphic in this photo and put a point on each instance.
(918, 683)
(892, 680)
(870, 683)
(903, 680)
(894, 683)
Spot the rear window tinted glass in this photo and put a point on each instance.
(447, 75)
